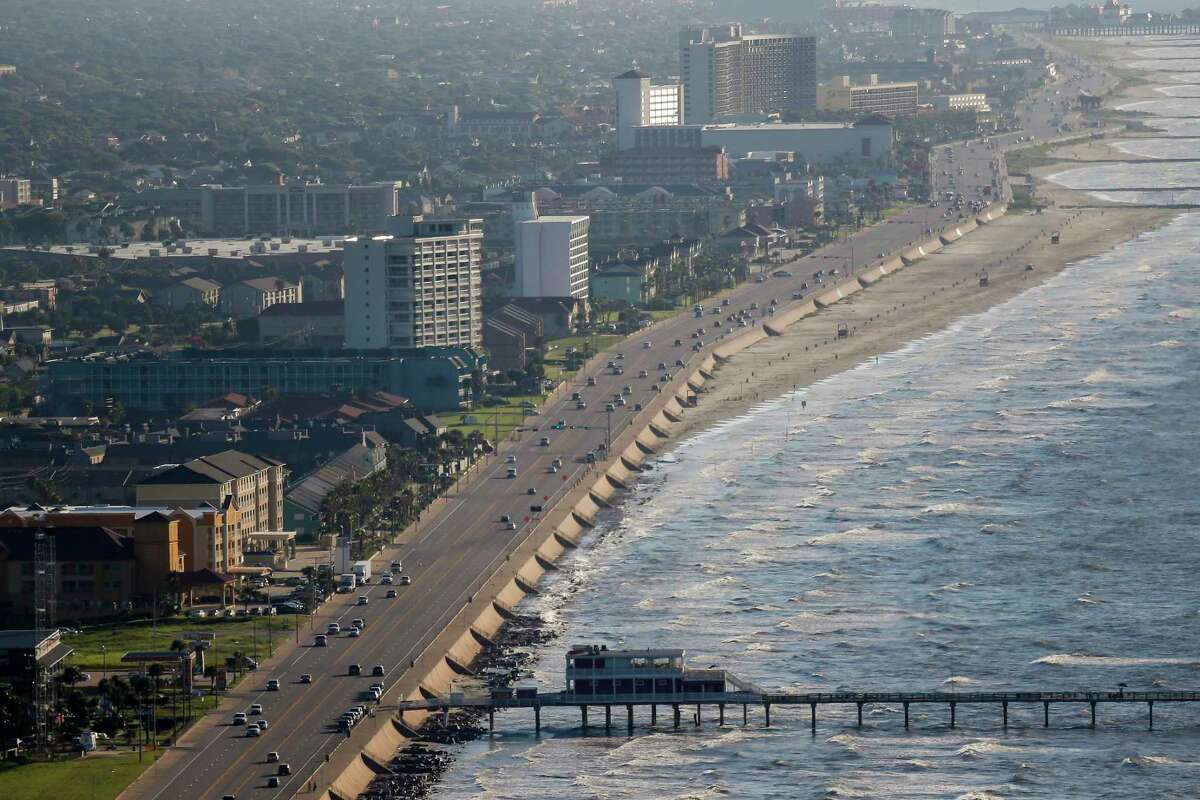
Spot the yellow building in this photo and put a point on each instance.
(246, 489)
(872, 97)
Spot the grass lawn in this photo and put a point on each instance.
(100, 776)
(132, 636)
(506, 417)
(556, 349)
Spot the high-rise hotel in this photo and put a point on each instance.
(419, 285)
(728, 73)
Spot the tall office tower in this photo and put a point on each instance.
(728, 73)
(551, 253)
(641, 101)
(418, 286)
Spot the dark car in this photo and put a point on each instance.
(355, 669)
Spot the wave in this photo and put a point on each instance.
(1091, 660)
(1101, 375)
(1147, 761)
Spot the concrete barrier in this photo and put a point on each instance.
(839, 292)
(784, 319)
(740, 343)
(920, 251)
(950, 236)
(872, 276)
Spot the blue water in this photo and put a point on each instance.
(1006, 503)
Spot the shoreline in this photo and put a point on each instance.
(922, 299)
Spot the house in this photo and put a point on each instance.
(249, 298)
(193, 292)
(506, 345)
(622, 282)
(421, 430)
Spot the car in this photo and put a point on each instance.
(558, 462)
(385, 580)
(510, 526)
(397, 566)
(256, 708)
(591, 381)
(679, 362)
(273, 685)
(239, 718)
(320, 640)
(306, 678)
(531, 490)
(363, 600)
(262, 724)
(198, 613)
(273, 782)
(544, 441)
(390, 594)
(354, 633)
(378, 671)
(405, 580)
(333, 627)
(679, 342)
(580, 406)
(620, 356)
(510, 459)
(609, 407)
(643, 374)
(252, 731)
(626, 390)
(354, 669)
(511, 472)
(358, 623)
(637, 406)
(506, 518)
(620, 401)
(285, 769)
(662, 365)
(576, 396)
(646, 345)
(229, 797)
(558, 426)
(272, 757)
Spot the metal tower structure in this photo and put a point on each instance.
(44, 598)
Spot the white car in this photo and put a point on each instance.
(256, 708)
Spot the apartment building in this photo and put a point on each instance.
(192, 292)
(250, 485)
(727, 72)
(179, 539)
(15, 192)
(551, 253)
(420, 285)
(251, 297)
(923, 23)
(962, 102)
(872, 97)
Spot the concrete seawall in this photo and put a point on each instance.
(372, 745)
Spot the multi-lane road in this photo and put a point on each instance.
(463, 543)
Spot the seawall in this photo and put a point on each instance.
(372, 744)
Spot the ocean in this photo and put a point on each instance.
(1007, 503)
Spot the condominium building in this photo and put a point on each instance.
(923, 23)
(303, 209)
(728, 73)
(872, 97)
(551, 253)
(420, 285)
(641, 101)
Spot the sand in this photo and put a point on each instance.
(921, 299)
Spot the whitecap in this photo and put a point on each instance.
(1092, 660)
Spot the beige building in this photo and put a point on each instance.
(190, 292)
(418, 286)
(246, 489)
(872, 97)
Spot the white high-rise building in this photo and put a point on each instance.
(641, 101)
(551, 253)
(418, 286)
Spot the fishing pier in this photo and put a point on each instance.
(598, 678)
